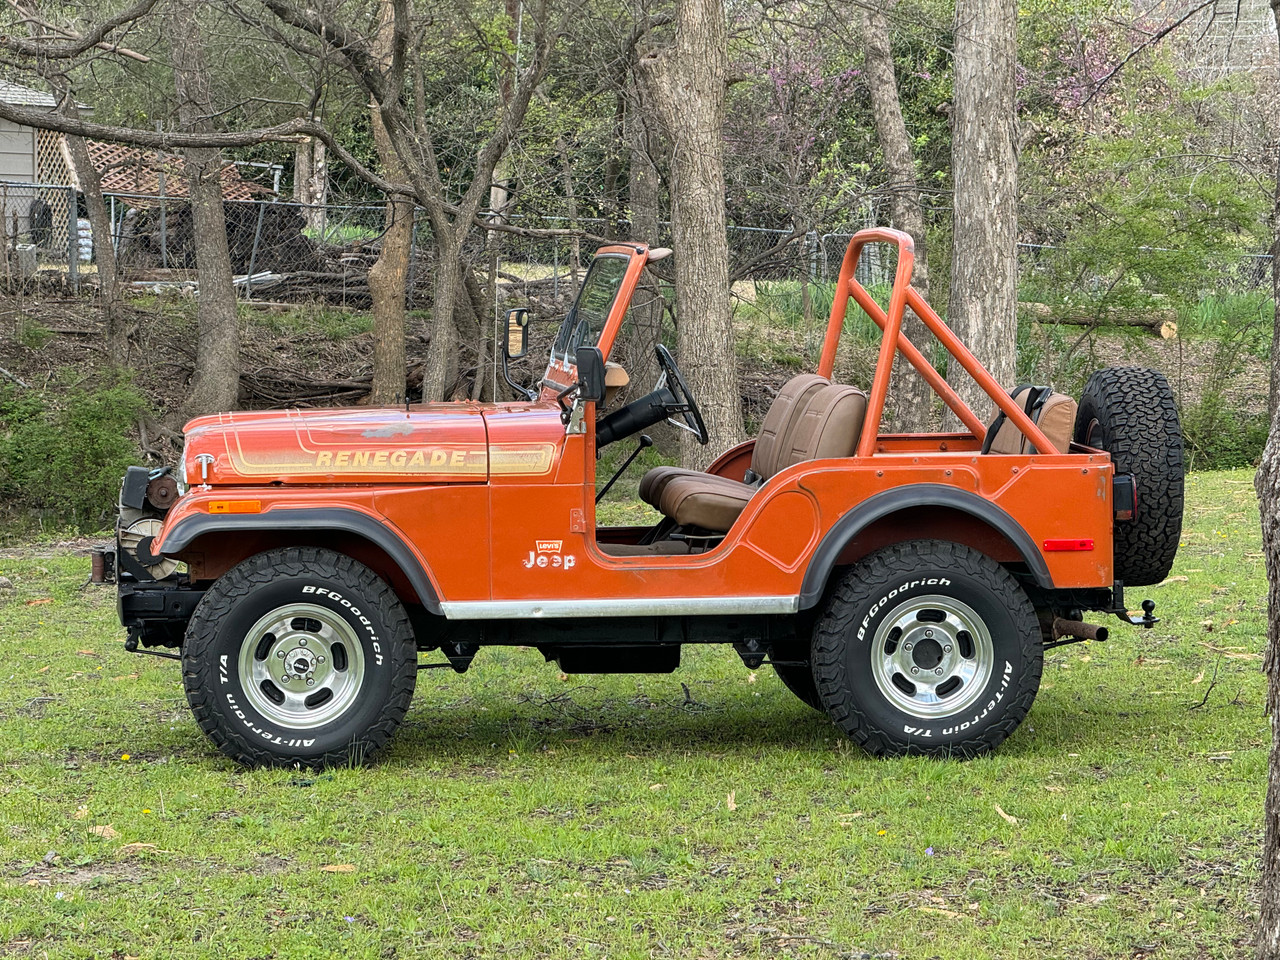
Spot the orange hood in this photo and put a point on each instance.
(432, 443)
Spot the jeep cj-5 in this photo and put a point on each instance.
(298, 563)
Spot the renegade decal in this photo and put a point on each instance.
(546, 553)
(506, 459)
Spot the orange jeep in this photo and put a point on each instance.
(908, 585)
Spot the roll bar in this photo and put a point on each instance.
(893, 341)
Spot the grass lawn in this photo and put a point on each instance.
(705, 814)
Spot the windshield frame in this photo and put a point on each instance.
(562, 370)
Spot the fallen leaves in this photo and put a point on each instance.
(731, 800)
(1007, 818)
(338, 868)
(82, 811)
(136, 847)
(39, 601)
(105, 830)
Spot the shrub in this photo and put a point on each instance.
(63, 456)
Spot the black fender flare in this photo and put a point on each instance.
(186, 531)
(883, 504)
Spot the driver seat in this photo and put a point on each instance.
(809, 419)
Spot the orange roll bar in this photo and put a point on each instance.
(893, 341)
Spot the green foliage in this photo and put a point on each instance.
(1220, 437)
(63, 454)
(1219, 434)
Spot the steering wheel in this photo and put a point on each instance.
(673, 381)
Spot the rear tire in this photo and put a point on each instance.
(299, 657)
(1130, 412)
(928, 647)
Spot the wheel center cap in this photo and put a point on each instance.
(299, 661)
(927, 653)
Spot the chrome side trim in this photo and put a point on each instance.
(642, 607)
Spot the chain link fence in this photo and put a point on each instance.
(286, 251)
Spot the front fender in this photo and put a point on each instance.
(183, 530)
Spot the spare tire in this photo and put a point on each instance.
(1130, 413)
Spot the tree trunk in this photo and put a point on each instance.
(311, 183)
(686, 85)
(388, 275)
(387, 279)
(1267, 485)
(913, 399)
(441, 372)
(643, 192)
(215, 385)
(104, 252)
(982, 307)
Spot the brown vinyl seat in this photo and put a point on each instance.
(1053, 413)
(784, 411)
(819, 420)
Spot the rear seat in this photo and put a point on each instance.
(1053, 413)
(826, 426)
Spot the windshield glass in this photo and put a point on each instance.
(586, 319)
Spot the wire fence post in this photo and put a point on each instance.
(253, 252)
(73, 241)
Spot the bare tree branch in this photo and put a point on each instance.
(95, 37)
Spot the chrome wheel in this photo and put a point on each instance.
(301, 665)
(932, 656)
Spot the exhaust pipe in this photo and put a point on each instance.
(1078, 630)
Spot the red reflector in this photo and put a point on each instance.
(1051, 545)
(235, 506)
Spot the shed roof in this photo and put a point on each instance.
(20, 96)
(131, 170)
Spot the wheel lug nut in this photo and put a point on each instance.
(310, 682)
(928, 633)
(302, 641)
(284, 679)
(915, 670)
(938, 671)
(319, 659)
(280, 654)
(947, 648)
(908, 646)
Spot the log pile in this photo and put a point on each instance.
(282, 248)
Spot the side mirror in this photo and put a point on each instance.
(590, 363)
(516, 344)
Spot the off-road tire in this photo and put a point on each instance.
(281, 583)
(1130, 412)
(921, 575)
(799, 680)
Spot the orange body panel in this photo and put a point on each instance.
(497, 501)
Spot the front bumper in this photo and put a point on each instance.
(156, 612)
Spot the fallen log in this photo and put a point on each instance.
(1160, 323)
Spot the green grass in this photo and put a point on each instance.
(519, 813)
(311, 320)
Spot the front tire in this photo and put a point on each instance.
(299, 657)
(928, 647)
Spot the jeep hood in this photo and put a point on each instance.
(430, 443)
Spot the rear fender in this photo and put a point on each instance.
(900, 514)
